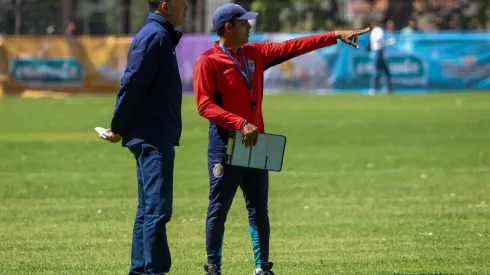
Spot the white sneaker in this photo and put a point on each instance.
(267, 271)
(371, 92)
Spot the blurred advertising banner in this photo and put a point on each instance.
(425, 62)
(83, 64)
(418, 62)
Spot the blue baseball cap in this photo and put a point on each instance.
(229, 12)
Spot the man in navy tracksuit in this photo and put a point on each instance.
(147, 117)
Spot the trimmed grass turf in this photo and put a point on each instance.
(370, 185)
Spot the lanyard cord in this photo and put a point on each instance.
(245, 74)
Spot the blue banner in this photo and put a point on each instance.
(51, 71)
(417, 62)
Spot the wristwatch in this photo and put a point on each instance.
(243, 124)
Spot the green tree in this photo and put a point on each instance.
(466, 15)
(307, 15)
(483, 14)
(326, 15)
(399, 11)
(270, 12)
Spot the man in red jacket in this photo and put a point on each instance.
(228, 88)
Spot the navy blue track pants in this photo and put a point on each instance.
(224, 182)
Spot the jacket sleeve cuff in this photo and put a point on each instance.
(330, 36)
(116, 129)
(241, 124)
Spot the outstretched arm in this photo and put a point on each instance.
(275, 53)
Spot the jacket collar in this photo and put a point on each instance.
(218, 47)
(176, 35)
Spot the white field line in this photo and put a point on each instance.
(429, 170)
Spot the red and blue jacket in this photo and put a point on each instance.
(221, 91)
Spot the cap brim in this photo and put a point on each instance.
(248, 16)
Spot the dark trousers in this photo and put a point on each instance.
(380, 69)
(224, 182)
(150, 253)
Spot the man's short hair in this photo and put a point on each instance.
(221, 30)
(155, 4)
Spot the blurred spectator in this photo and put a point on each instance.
(71, 29)
(406, 38)
(390, 26)
(411, 26)
(454, 25)
(438, 24)
(390, 32)
(380, 39)
(50, 30)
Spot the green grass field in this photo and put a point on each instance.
(370, 185)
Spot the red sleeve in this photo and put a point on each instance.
(204, 76)
(275, 53)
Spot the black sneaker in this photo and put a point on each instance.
(265, 269)
(212, 269)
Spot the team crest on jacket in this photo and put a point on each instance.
(218, 170)
(251, 65)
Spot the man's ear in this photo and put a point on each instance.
(164, 6)
(228, 26)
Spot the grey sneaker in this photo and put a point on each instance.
(212, 269)
(265, 269)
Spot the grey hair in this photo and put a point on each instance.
(155, 4)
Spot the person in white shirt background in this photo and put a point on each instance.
(381, 37)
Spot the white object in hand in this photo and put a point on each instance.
(102, 132)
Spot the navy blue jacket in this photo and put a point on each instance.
(148, 105)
